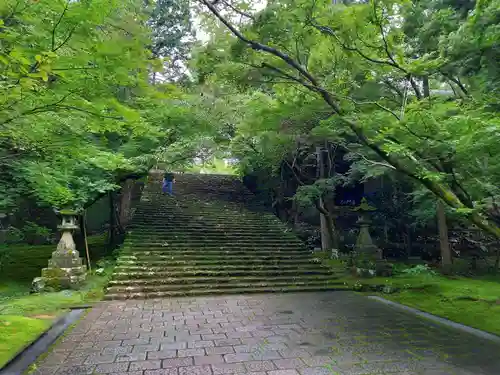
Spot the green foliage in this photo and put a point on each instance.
(78, 112)
(407, 82)
(419, 269)
(172, 35)
(13, 235)
(35, 234)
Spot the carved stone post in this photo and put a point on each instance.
(66, 269)
(364, 243)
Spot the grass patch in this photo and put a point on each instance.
(16, 332)
(24, 316)
(53, 303)
(473, 301)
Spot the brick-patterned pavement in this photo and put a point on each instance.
(337, 333)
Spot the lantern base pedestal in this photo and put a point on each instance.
(66, 270)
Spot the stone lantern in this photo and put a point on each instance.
(66, 269)
(364, 243)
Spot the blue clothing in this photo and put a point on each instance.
(167, 186)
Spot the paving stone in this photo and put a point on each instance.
(163, 371)
(174, 346)
(177, 362)
(76, 370)
(131, 357)
(208, 360)
(316, 371)
(145, 348)
(283, 372)
(229, 368)
(219, 350)
(227, 342)
(200, 344)
(95, 359)
(112, 367)
(309, 334)
(195, 370)
(145, 365)
(191, 352)
(289, 363)
(259, 365)
(213, 336)
(47, 370)
(238, 357)
(136, 342)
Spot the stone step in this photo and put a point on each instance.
(206, 240)
(200, 227)
(226, 256)
(207, 243)
(218, 252)
(217, 230)
(200, 240)
(204, 220)
(194, 207)
(233, 223)
(212, 235)
(206, 291)
(179, 262)
(210, 239)
(183, 248)
(303, 268)
(128, 273)
(217, 280)
(184, 287)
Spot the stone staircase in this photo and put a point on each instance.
(212, 237)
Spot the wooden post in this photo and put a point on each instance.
(85, 239)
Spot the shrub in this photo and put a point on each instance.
(14, 235)
(4, 257)
(420, 269)
(35, 234)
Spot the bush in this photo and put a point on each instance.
(420, 269)
(13, 236)
(35, 234)
(4, 257)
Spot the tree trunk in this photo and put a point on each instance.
(325, 229)
(443, 237)
(126, 201)
(115, 228)
(111, 232)
(425, 85)
(409, 244)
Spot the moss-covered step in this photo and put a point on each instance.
(127, 273)
(238, 285)
(226, 256)
(218, 251)
(255, 249)
(173, 243)
(209, 240)
(219, 280)
(201, 292)
(134, 236)
(179, 262)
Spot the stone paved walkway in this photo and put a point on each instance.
(336, 333)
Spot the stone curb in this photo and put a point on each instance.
(437, 319)
(27, 355)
